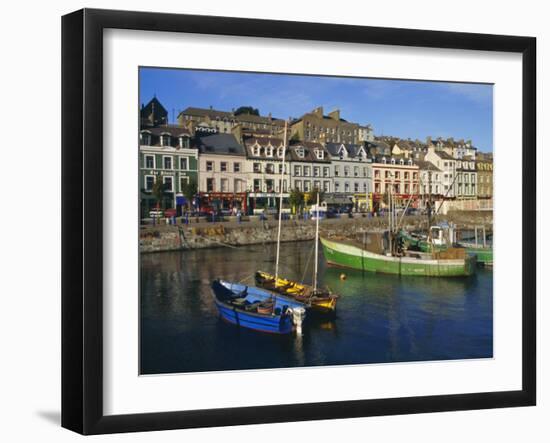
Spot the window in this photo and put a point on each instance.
(168, 183)
(150, 161)
(257, 185)
(167, 162)
(209, 185)
(320, 154)
(183, 163)
(145, 139)
(280, 168)
(300, 151)
(223, 166)
(256, 150)
(356, 171)
(183, 142)
(356, 187)
(297, 170)
(183, 182)
(306, 171)
(298, 184)
(209, 166)
(365, 186)
(269, 168)
(473, 178)
(316, 171)
(415, 175)
(317, 184)
(346, 187)
(149, 182)
(326, 186)
(376, 173)
(377, 188)
(406, 175)
(326, 171)
(387, 174)
(336, 171)
(397, 175)
(307, 186)
(257, 167)
(336, 186)
(165, 140)
(236, 167)
(346, 171)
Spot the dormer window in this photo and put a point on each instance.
(256, 150)
(280, 152)
(384, 160)
(183, 141)
(269, 151)
(410, 162)
(401, 162)
(320, 154)
(300, 152)
(393, 161)
(145, 138)
(165, 140)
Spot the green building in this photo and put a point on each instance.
(165, 154)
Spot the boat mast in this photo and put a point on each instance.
(316, 244)
(281, 180)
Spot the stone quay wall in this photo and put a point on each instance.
(233, 234)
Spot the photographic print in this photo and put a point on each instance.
(291, 220)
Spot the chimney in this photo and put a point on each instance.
(335, 115)
(318, 111)
(429, 140)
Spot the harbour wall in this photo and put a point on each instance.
(233, 234)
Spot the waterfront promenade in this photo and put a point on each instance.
(200, 234)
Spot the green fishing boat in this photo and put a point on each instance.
(484, 254)
(452, 262)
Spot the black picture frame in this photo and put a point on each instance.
(82, 216)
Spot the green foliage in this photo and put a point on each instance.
(189, 190)
(248, 110)
(296, 200)
(158, 191)
(311, 196)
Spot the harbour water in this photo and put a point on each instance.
(380, 318)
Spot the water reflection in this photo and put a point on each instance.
(379, 318)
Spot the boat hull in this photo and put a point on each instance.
(297, 291)
(349, 256)
(279, 321)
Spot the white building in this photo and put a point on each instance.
(352, 169)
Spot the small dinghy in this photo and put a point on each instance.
(256, 309)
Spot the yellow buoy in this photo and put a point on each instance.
(342, 276)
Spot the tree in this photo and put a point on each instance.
(158, 191)
(249, 110)
(311, 196)
(296, 200)
(189, 190)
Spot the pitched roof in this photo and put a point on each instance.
(173, 130)
(426, 165)
(352, 149)
(220, 144)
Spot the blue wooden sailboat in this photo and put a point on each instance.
(257, 309)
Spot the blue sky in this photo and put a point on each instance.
(402, 108)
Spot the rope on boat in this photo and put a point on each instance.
(307, 265)
(246, 278)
